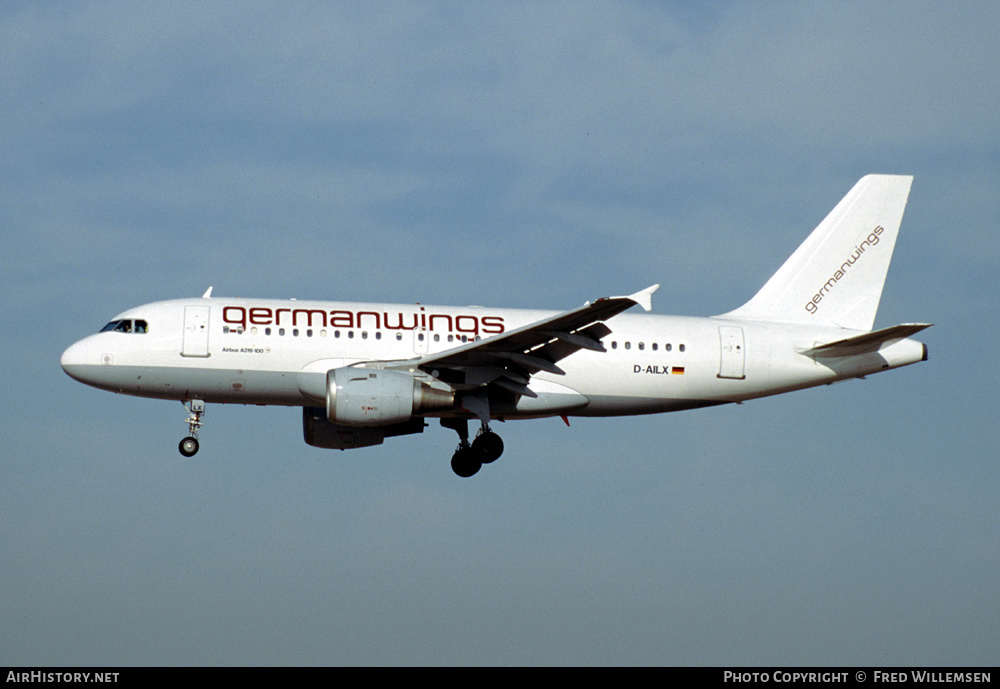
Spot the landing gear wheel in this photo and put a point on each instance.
(489, 445)
(466, 462)
(188, 447)
(196, 408)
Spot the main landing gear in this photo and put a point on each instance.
(189, 446)
(469, 458)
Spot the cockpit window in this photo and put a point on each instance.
(126, 326)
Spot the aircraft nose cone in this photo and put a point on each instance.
(91, 361)
(75, 360)
(70, 358)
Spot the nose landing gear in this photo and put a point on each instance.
(189, 446)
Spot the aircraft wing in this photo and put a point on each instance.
(509, 360)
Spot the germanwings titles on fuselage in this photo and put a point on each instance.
(416, 318)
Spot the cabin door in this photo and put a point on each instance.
(195, 331)
(732, 357)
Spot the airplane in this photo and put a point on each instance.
(364, 372)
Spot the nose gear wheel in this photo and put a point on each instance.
(189, 446)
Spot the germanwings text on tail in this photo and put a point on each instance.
(364, 372)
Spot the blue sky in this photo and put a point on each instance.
(509, 154)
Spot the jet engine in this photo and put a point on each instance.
(377, 397)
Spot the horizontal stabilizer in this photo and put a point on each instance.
(866, 342)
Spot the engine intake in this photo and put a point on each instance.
(376, 397)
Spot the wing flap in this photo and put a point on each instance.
(516, 388)
(536, 363)
(578, 340)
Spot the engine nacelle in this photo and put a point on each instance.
(377, 397)
(319, 432)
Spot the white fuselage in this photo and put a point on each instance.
(250, 351)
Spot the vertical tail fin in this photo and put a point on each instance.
(836, 276)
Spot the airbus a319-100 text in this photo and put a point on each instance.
(366, 372)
